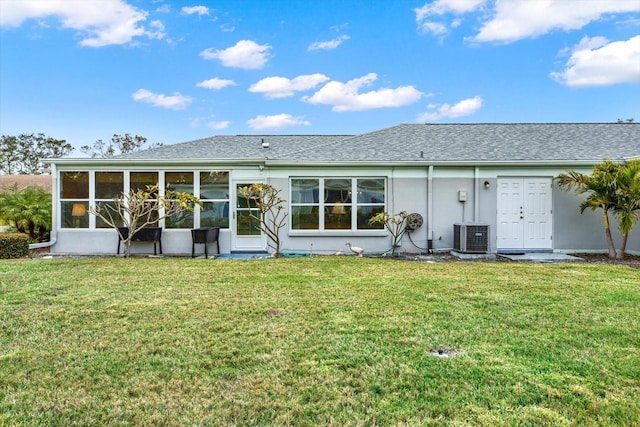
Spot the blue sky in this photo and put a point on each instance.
(174, 71)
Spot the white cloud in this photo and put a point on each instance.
(512, 20)
(215, 83)
(281, 87)
(426, 15)
(435, 28)
(219, 125)
(345, 96)
(596, 62)
(278, 121)
(246, 54)
(227, 28)
(195, 10)
(328, 45)
(466, 107)
(440, 7)
(115, 23)
(515, 20)
(195, 122)
(172, 102)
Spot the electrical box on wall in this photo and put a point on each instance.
(462, 196)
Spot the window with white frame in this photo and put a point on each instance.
(334, 204)
(108, 186)
(74, 199)
(214, 194)
(179, 182)
(141, 181)
(212, 187)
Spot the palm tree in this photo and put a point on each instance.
(29, 210)
(627, 208)
(612, 187)
(601, 188)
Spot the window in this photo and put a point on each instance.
(214, 194)
(74, 199)
(337, 209)
(305, 204)
(247, 211)
(337, 204)
(181, 182)
(370, 201)
(108, 186)
(140, 181)
(82, 189)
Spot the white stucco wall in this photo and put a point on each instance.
(407, 189)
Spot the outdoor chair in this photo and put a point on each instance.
(204, 236)
(146, 234)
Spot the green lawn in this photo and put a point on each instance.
(322, 340)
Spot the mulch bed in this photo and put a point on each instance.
(596, 258)
(629, 260)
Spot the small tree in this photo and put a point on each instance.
(28, 210)
(627, 208)
(614, 188)
(271, 215)
(141, 208)
(395, 224)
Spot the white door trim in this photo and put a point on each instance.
(524, 214)
(240, 240)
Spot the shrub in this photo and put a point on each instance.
(13, 245)
(28, 210)
(395, 224)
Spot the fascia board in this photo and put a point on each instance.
(152, 162)
(502, 163)
(288, 163)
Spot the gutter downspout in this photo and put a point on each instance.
(53, 236)
(476, 193)
(430, 207)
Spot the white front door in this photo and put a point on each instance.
(245, 236)
(524, 213)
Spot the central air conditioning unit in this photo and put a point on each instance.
(471, 237)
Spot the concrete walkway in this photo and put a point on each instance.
(541, 257)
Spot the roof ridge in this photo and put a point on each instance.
(514, 124)
(288, 134)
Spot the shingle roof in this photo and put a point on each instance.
(236, 147)
(480, 143)
(486, 143)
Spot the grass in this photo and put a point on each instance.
(323, 340)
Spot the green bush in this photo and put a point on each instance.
(28, 210)
(13, 245)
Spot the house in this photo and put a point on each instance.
(498, 175)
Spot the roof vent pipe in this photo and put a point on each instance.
(265, 144)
